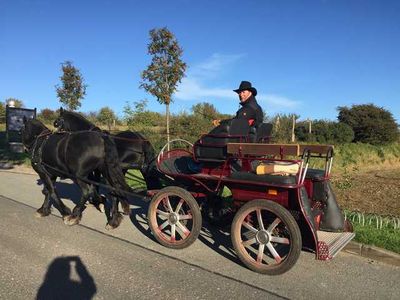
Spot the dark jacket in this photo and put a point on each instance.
(250, 110)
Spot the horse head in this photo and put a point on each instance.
(31, 130)
(72, 121)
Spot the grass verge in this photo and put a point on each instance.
(387, 238)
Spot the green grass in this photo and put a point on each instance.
(8, 156)
(387, 238)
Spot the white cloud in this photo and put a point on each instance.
(196, 86)
(276, 101)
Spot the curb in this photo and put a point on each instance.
(373, 253)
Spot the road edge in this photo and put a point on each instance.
(374, 253)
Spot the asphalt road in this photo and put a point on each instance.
(43, 258)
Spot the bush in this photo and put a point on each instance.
(324, 132)
(371, 124)
(47, 115)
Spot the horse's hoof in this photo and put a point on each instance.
(109, 227)
(70, 220)
(102, 208)
(39, 215)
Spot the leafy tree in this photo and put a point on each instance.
(47, 115)
(166, 69)
(2, 113)
(17, 103)
(371, 124)
(205, 110)
(139, 117)
(283, 125)
(73, 89)
(106, 116)
(324, 132)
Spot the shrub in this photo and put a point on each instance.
(371, 124)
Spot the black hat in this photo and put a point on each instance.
(246, 86)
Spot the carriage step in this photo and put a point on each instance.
(330, 243)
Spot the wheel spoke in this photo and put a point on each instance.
(259, 219)
(273, 225)
(173, 231)
(185, 217)
(249, 227)
(280, 240)
(163, 225)
(162, 213)
(182, 229)
(260, 254)
(178, 207)
(275, 254)
(168, 204)
(249, 242)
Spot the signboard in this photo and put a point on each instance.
(15, 122)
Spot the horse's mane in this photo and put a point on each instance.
(77, 116)
(37, 123)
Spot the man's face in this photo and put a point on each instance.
(244, 95)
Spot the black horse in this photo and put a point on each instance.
(134, 150)
(73, 155)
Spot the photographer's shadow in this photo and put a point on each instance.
(59, 285)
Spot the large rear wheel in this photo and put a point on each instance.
(174, 217)
(266, 237)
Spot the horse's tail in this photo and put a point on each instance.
(112, 166)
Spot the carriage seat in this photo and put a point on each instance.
(266, 178)
(212, 146)
(262, 134)
(315, 174)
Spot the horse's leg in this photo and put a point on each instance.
(87, 191)
(45, 209)
(115, 217)
(50, 192)
(124, 202)
(97, 199)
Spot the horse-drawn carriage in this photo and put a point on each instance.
(280, 205)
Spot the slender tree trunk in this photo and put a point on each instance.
(167, 113)
(293, 125)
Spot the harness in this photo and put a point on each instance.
(37, 148)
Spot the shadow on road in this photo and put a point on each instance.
(58, 283)
(215, 237)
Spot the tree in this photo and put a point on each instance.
(166, 69)
(2, 113)
(205, 110)
(17, 103)
(73, 89)
(371, 124)
(106, 116)
(48, 115)
(139, 117)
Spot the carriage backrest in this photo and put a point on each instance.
(259, 149)
(212, 146)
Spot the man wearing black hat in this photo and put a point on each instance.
(250, 109)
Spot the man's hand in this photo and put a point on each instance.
(216, 122)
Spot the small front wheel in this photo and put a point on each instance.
(174, 217)
(266, 237)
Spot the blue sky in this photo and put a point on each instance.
(304, 57)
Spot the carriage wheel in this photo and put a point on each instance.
(174, 217)
(266, 237)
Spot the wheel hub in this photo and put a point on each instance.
(262, 237)
(173, 218)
